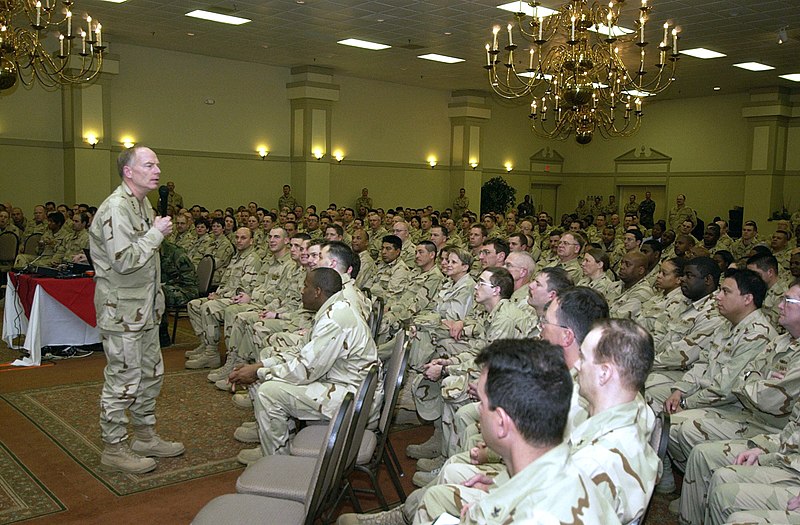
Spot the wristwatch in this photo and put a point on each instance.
(682, 404)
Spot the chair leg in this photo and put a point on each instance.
(174, 325)
(398, 487)
(393, 455)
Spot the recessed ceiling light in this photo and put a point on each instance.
(637, 93)
(216, 17)
(381, 20)
(794, 77)
(115, 1)
(717, 88)
(524, 7)
(753, 66)
(441, 58)
(189, 34)
(299, 2)
(701, 52)
(602, 29)
(364, 44)
(447, 33)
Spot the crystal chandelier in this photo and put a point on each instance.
(26, 26)
(575, 72)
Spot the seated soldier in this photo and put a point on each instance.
(635, 289)
(178, 281)
(220, 248)
(767, 267)
(71, 250)
(392, 274)
(310, 381)
(50, 242)
(669, 299)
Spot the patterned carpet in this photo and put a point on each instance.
(189, 409)
(22, 496)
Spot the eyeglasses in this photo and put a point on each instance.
(543, 321)
(790, 300)
(481, 282)
(567, 243)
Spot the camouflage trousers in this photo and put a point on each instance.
(276, 403)
(133, 375)
(705, 459)
(757, 517)
(177, 296)
(689, 428)
(738, 488)
(447, 494)
(207, 317)
(658, 387)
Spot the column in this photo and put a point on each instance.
(769, 116)
(312, 94)
(468, 112)
(89, 173)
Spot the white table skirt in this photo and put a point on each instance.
(51, 323)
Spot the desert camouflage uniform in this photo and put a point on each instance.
(408, 253)
(678, 342)
(604, 286)
(278, 284)
(661, 307)
(768, 404)
(200, 247)
(573, 268)
(376, 242)
(391, 279)
(50, 243)
(289, 201)
(175, 200)
(129, 304)
(612, 449)
(549, 490)
(185, 240)
(773, 300)
(629, 302)
(453, 302)
(784, 257)
(178, 276)
(207, 315)
(460, 205)
(733, 488)
(40, 227)
(73, 244)
(419, 296)
(678, 215)
(368, 272)
(366, 202)
(711, 380)
(435, 399)
(222, 250)
(309, 383)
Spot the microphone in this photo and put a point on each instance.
(30, 266)
(163, 195)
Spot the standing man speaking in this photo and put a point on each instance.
(124, 240)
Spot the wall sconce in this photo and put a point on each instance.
(473, 164)
(318, 154)
(509, 166)
(92, 140)
(432, 162)
(263, 152)
(339, 156)
(128, 142)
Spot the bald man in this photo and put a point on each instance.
(635, 288)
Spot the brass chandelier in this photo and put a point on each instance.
(25, 27)
(575, 72)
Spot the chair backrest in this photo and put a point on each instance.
(367, 292)
(393, 382)
(377, 309)
(364, 399)
(205, 272)
(32, 244)
(9, 244)
(329, 457)
(659, 439)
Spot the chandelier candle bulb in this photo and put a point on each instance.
(674, 42)
(572, 31)
(488, 57)
(510, 40)
(495, 30)
(530, 65)
(61, 46)
(541, 27)
(38, 14)
(69, 24)
(89, 27)
(83, 42)
(99, 37)
(641, 29)
(665, 43)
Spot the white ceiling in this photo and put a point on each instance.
(287, 33)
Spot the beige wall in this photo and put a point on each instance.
(386, 132)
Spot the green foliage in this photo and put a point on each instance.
(497, 196)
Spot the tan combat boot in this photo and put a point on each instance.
(208, 359)
(194, 352)
(118, 457)
(147, 443)
(225, 370)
